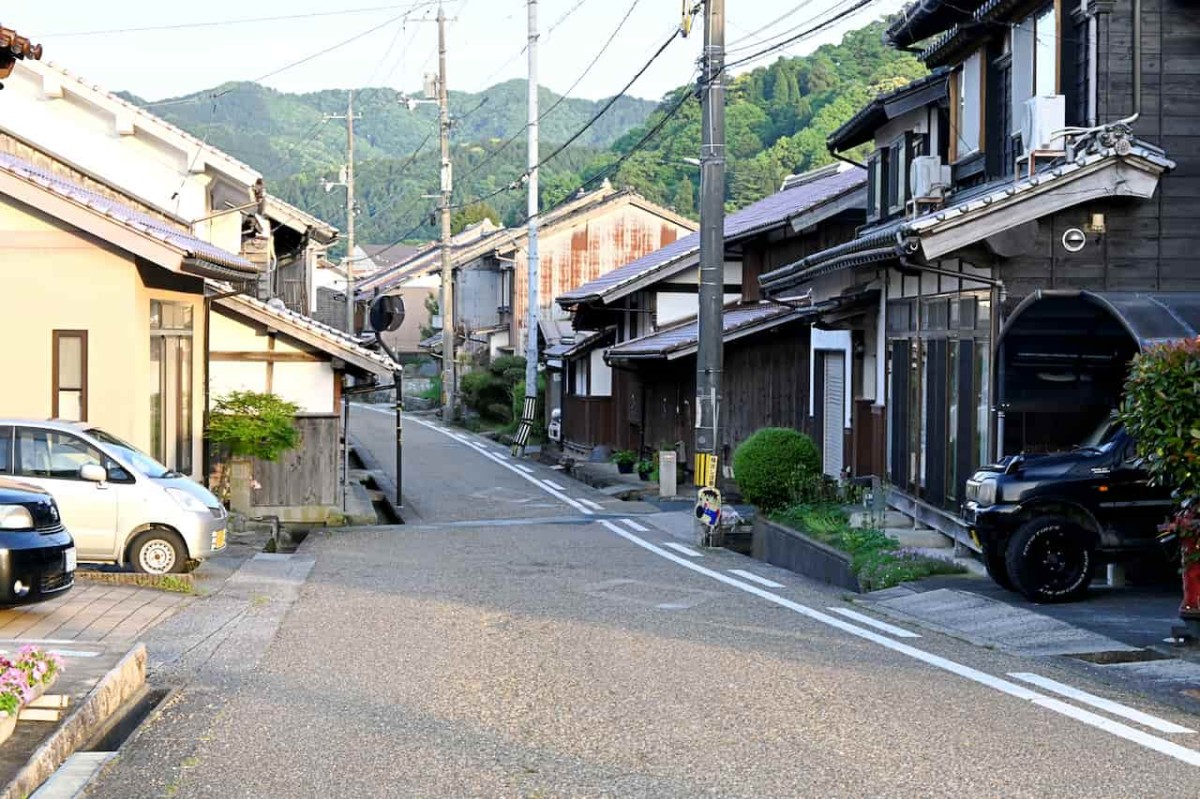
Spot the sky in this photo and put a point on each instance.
(196, 47)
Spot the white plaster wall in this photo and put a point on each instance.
(672, 307)
(309, 385)
(601, 375)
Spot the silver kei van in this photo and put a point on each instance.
(119, 504)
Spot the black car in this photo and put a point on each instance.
(37, 555)
(1044, 522)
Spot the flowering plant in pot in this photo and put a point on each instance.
(625, 459)
(1161, 410)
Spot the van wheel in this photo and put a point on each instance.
(158, 552)
(997, 569)
(1049, 559)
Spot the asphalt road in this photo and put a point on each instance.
(519, 642)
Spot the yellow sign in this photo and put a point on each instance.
(706, 470)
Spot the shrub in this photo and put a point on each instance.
(768, 463)
(624, 457)
(253, 425)
(491, 390)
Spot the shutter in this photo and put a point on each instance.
(872, 186)
(834, 414)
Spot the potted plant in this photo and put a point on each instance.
(625, 459)
(645, 468)
(1162, 412)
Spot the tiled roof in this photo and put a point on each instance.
(682, 338)
(767, 213)
(123, 214)
(286, 212)
(322, 336)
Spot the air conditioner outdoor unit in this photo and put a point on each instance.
(1044, 116)
(929, 179)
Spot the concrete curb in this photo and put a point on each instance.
(382, 479)
(113, 690)
(135, 579)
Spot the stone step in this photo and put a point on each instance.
(891, 519)
(919, 539)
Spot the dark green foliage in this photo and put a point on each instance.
(490, 390)
(472, 214)
(877, 559)
(767, 464)
(624, 457)
(249, 424)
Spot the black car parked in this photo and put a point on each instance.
(37, 555)
(1045, 521)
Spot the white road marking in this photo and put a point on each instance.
(554, 485)
(863, 618)
(1169, 748)
(635, 526)
(593, 505)
(525, 469)
(512, 468)
(1099, 702)
(754, 578)
(691, 553)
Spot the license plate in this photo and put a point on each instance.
(219, 539)
(70, 561)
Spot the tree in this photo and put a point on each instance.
(433, 308)
(472, 214)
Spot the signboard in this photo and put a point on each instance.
(708, 506)
(706, 470)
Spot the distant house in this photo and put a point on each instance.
(582, 239)
(628, 379)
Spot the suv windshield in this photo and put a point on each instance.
(1104, 433)
(141, 461)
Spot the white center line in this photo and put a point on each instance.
(512, 468)
(554, 485)
(635, 526)
(863, 618)
(686, 550)
(525, 469)
(590, 504)
(1162, 745)
(754, 578)
(1107, 705)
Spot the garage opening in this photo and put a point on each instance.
(1063, 358)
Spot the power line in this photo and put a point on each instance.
(737, 45)
(562, 98)
(242, 21)
(840, 16)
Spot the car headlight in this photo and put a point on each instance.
(15, 517)
(987, 493)
(187, 501)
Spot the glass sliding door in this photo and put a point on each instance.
(171, 434)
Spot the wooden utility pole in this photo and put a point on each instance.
(449, 387)
(709, 358)
(348, 182)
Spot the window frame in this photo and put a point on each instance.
(116, 472)
(57, 336)
(968, 106)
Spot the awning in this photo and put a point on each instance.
(1149, 318)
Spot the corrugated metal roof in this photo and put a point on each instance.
(127, 216)
(766, 213)
(736, 318)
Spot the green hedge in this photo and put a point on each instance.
(768, 464)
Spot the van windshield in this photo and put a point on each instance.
(141, 461)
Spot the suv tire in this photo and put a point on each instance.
(1050, 559)
(997, 569)
(158, 551)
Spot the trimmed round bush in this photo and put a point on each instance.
(766, 465)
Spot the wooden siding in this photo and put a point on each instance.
(306, 476)
(588, 422)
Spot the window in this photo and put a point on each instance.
(6, 450)
(1045, 54)
(970, 106)
(171, 384)
(1034, 61)
(69, 368)
(874, 186)
(48, 453)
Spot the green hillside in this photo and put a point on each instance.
(778, 118)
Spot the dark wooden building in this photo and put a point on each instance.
(1050, 162)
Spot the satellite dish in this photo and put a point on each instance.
(387, 313)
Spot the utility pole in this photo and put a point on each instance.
(449, 388)
(348, 182)
(529, 411)
(710, 356)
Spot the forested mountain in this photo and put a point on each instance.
(778, 118)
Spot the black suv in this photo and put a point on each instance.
(1043, 522)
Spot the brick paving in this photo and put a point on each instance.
(92, 613)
